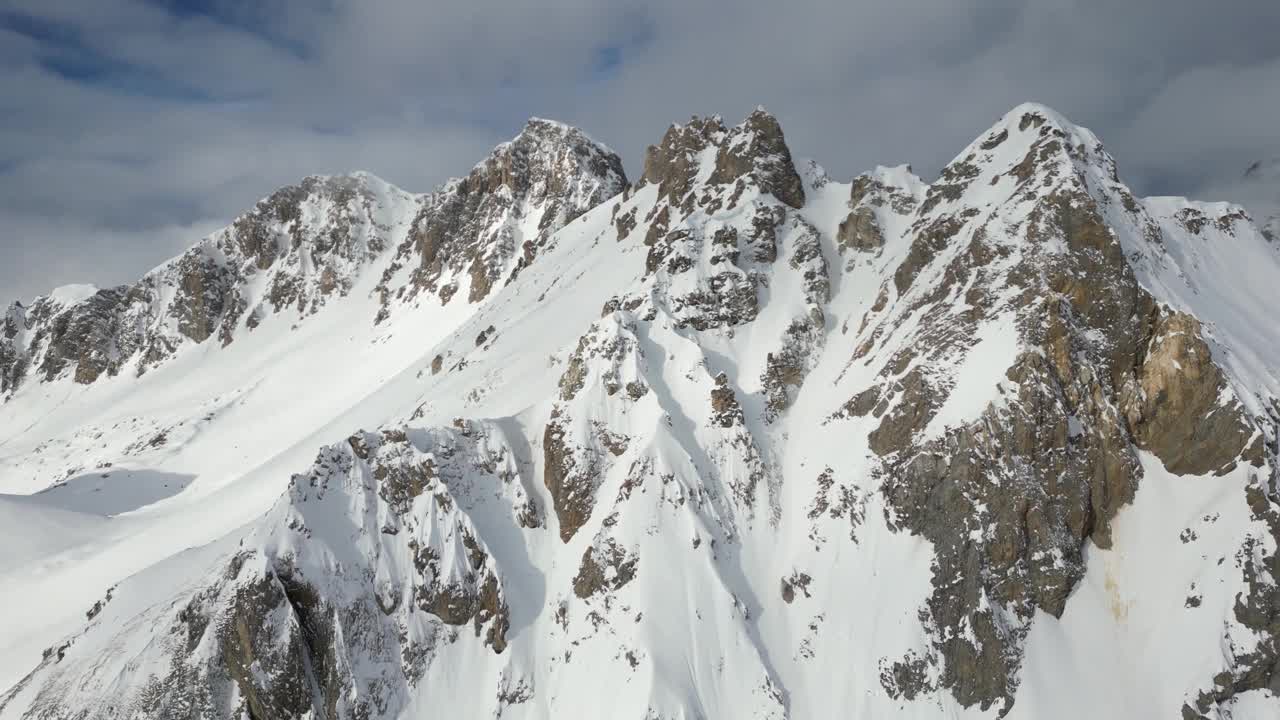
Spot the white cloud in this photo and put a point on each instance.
(161, 122)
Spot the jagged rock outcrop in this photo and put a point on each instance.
(757, 149)
(479, 230)
(711, 273)
(581, 440)
(871, 196)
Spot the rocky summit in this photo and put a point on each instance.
(736, 440)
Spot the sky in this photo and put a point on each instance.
(131, 128)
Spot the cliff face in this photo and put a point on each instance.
(735, 441)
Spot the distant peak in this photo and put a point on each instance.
(354, 181)
(705, 126)
(545, 148)
(758, 148)
(545, 128)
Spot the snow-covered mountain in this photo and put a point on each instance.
(734, 441)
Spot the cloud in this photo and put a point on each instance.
(126, 124)
(52, 252)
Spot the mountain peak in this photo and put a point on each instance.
(703, 150)
(1260, 191)
(1031, 149)
(547, 128)
(548, 154)
(1025, 124)
(549, 134)
(758, 148)
(485, 228)
(1033, 114)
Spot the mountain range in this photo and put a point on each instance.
(735, 439)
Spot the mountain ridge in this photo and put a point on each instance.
(297, 248)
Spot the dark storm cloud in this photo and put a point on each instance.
(129, 128)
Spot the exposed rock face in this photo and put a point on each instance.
(786, 369)
(206, 286)
(1179, 412)
(78, 337)
(608, 568)
(726, 412)
(859, 231)
(1258, 609)
(673, 164)
(578, 447)
(871, 196)
(709, 274)
(757, 148)
(492, 223)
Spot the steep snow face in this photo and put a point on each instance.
(739, 442)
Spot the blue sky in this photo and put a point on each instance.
(129, 128)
